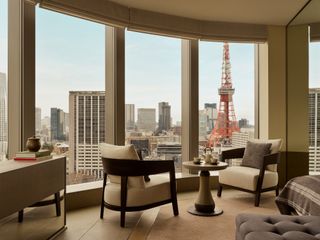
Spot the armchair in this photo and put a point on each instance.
(261, 178)
(127, 191)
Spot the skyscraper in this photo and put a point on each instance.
(87, 130)
(38, 120)
(129, 116)
(203, 120)
(164, 116)
(314, 130)
(212, 113)
(146, 119)
(57, 125)
(3, 115)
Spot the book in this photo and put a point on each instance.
(32, 158)
(40, 153)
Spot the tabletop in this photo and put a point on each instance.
(205, 166)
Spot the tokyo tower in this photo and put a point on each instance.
(226, 122)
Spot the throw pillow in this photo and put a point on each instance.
(122, 152)
(254, 153)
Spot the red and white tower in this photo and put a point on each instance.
(226, 122)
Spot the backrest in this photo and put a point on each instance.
(122, 152)
(275, 148)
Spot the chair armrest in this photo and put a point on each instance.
(137, 167)
(232, 153)
(271, 159)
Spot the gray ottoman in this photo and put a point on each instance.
(277, 227)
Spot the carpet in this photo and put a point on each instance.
(187, 226)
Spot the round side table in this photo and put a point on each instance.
(204, 204)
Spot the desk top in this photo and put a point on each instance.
(11, 165)
(205, 166)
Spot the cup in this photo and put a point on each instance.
(214, 160)
(196, 160)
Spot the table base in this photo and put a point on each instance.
(215, 212)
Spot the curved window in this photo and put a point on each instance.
(226, 94)
(70, 97)
(153, 95)
(3, 79)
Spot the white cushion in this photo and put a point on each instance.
(247, 178)
(124, 153)
(275, 147)
(158, 189)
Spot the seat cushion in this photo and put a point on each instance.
(254, 154)
(127, 152)
(274, 227)
(275, 148)
(247, 178)
(158, 189)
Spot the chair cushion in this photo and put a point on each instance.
(275, 148)
(247, 177)
(122, 152)
(158, 189)
(254, 153)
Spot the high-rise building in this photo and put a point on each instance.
(243, 123)
(314, 130)
(129, 116)
(212, 113)
(203, 120)
(38, 120)
(57, 125)
(87, 130)
(146, 119)
(164, 116)
(3, 116)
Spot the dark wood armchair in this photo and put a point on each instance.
(126, 198)
(248, 179)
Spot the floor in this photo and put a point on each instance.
(85, 223)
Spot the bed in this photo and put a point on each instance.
(301, 196)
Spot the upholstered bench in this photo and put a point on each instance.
(277, 227)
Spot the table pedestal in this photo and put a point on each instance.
(204, 204)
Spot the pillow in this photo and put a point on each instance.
(275, 148)
(254, 153)
(122, 152)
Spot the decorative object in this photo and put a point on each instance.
(33, 144)
(196, 160)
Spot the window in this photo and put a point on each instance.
(226, 94)
(70, 97)
(314, 108)
(3, 79)
(153, 95)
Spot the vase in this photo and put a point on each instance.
(33, 144)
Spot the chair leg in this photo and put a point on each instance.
(257, 200)
(57, 202)
(20, 216)
(122, 218)
(102, 210)
(175, 207)
(219, 190)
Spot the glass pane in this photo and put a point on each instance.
(153, 96)
(226, 95)
(314, 108)
(70, 91)
(3, 79)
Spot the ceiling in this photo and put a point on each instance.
(268, 12)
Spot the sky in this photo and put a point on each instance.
(70, 57)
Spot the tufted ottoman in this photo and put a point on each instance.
(277, 227)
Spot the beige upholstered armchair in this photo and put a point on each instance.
(127, 190)
(258, 171)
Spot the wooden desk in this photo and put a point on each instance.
(23, 183)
